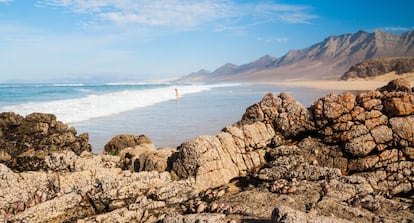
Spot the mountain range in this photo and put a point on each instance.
(328, 59)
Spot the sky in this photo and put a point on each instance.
(100, 40)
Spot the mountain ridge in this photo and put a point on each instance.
(328, 59)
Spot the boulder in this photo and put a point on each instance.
(399, 84)
(378, 66)
(119, 142)
(215, 160)
(283, 112)
(146, 158)
(26, 141)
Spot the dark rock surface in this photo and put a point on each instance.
(347, 158)
(26, 141)
(378, 66)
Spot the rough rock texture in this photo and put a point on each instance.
(378, 66)
(119, 142)
(399, 84)
(347, 158)
(145, 157)
(26, 141)
(215, 160)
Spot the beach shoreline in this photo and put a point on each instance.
(357, 85)
(347, 85)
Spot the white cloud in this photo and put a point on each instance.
(396, 29)
(5, 1)
(153, 13)
(273, 40)
(285, 13)
(184, 14)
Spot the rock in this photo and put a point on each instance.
(399, 105)
(146, 158)
(379, 66)
(397, 85)
(215, 160)
(288, 215)
(283, 112)
(346, 158)
(132, 157)
(194, 218)
(73, 195)
(403, 129)
(119, 142)
(26, 141)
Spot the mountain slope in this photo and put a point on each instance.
(325, 60)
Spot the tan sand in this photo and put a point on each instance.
(356, 84)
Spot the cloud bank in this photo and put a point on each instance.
(184, 14)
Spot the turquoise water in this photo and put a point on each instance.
(104, 110)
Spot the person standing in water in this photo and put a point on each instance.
(177, 95)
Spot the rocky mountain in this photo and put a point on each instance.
(378, 66)
(325, 60)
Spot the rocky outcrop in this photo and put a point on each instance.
(119, 142)
(347, 158)
(26, 141)
(399, 84)
(378, 66)
(146, 158)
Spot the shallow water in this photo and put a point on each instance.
(105, 110)
(173, 122)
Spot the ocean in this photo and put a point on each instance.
(105, 110)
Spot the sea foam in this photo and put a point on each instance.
(101, 105)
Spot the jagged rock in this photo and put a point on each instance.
(26, 141)
(400, 84)
(403, 128)
(283, 112)
(346, 158)
(399, 104)
(76, 194)
(215, 160)
(119, 142)
(194, 218)
(159, 159)
(69, 161)
(146, 158)
(285, 214)
(378, 66)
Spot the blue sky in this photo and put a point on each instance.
(152, 39)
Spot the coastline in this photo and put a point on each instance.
(357, 85)
(348, 85)
(268, 167)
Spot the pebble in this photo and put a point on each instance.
(201, 207)
(292, 189)
(213, 207)
(221, 193)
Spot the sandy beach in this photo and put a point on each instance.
(351, 85)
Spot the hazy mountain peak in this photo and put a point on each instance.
(267, 57)
(202, 71)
